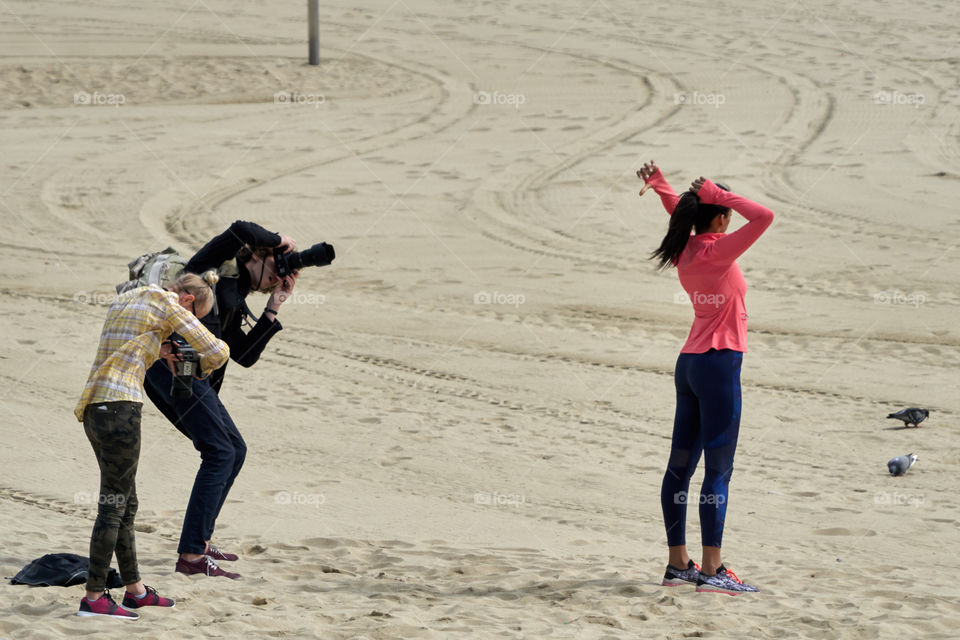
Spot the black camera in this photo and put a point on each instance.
(319, 255)
(184, 369)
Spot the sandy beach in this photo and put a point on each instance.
(462, 429)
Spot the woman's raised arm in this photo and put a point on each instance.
(653, 177)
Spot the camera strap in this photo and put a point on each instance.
(230, 269)
(247, 314)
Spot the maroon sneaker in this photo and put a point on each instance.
(105, 606)
(217, 554)
(205, 565)
(150, 599)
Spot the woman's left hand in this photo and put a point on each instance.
(288, 243)
(696, 184)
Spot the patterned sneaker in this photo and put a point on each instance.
(205, 565)
(725, 581)
(105, 606)
(217, 554)
(150, 599)
(675, 577)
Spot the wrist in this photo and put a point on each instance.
(709, 192)
(271, 309)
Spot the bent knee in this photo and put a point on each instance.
(218, 455)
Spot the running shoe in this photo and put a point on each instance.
(725, 581)
(105, 606)
(205, 565)
(217, 554)
(675, 577)
(150, 599)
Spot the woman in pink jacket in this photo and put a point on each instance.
(707, 374)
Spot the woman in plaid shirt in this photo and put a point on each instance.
(137, 324)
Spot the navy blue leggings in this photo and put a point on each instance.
(707, 421)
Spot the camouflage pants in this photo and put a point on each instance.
(113, 429)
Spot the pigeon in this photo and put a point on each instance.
(911, 416)
(899, 465)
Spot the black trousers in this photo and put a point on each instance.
(204, 420)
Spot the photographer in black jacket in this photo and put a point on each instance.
(244, 257)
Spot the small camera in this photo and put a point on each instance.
(319, 255)
(184, 369)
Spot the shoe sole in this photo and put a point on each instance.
(207, 575)
(676, 583)
(91, 614)
(129, 607)
(724, 591)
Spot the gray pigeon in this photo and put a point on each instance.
(911, 416)
(899, 465)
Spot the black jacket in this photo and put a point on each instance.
(226, 321)
(61, 570)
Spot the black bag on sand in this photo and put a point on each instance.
(61, 570)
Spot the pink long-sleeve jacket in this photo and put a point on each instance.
(708, 269)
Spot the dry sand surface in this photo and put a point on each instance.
(462, 429)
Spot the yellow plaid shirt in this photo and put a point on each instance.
(137, 322)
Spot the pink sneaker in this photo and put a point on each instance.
(150, 599)
(217, 554)
(205, 565)
(105, 606)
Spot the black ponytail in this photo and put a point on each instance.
(690, 214)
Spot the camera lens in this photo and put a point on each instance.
(319, 255)
(181, 388)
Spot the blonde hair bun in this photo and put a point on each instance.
(200, 287)
(211, 277)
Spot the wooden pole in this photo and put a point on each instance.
(313, 19)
